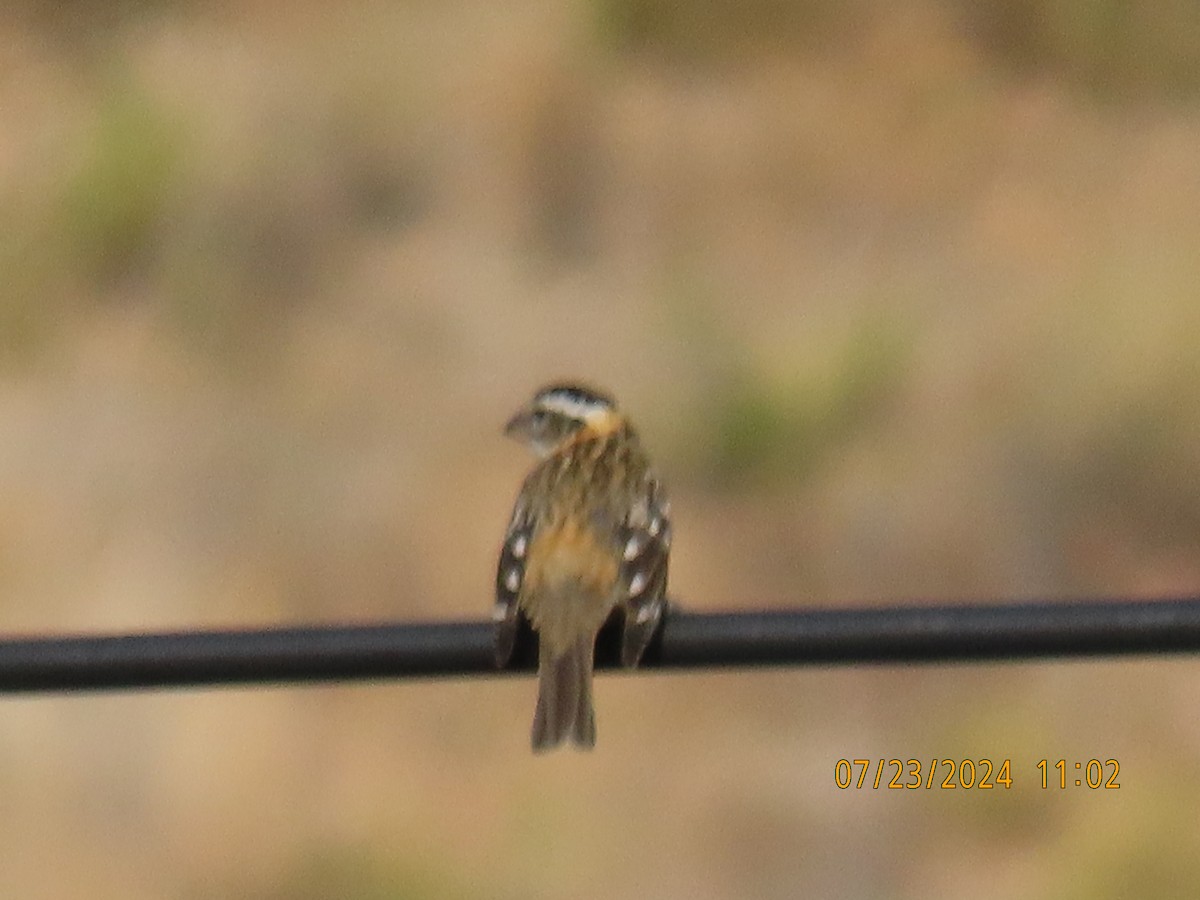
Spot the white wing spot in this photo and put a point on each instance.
(664, 508)
(666, 537)
(499, 612)
(637, 584)
(633, 547)
(519, 546)
(655, 526)
(646, 613)
(512, 578)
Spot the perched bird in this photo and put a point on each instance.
(589, 534)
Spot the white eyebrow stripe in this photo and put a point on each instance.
(573, 407)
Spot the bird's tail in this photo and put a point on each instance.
(564, 704)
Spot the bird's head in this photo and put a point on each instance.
(558, 413)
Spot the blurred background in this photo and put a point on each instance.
(903, 297)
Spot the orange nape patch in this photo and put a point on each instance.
(600, 423)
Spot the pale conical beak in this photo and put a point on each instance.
(519, 425)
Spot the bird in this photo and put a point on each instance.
(590, 534)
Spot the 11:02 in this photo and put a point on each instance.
(1089, 774)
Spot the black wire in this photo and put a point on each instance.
(687, 641)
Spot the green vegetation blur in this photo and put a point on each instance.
(905, 299)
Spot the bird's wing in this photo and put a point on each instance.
(645, 546)
(510, 572)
